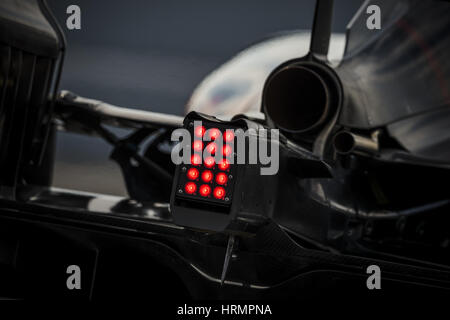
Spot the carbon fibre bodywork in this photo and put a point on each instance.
(331, 217)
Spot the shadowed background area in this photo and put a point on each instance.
(151, 55)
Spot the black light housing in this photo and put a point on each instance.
(203, 194)
(203, 181)
(249, 198)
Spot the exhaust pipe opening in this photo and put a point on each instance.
(346, 142)
(297, 99)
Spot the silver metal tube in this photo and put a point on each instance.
(346, 142)
(110, 111)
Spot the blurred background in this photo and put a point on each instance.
(150, 55)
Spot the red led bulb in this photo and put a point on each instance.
(224, 164)
(199, 131)
(219, 193)
(227, 150)
(221, 178)
(190, 187)
(229, 136)
(207, 176)
(214, 133)
(205, 190)
(209, 162)
(197, 145)
(196, 159)
(192, 173)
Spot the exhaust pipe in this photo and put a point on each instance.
(346, 142)
(297, 99)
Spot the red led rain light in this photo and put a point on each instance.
(210, 177)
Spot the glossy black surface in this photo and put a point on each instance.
(400, 71)
(46, 233)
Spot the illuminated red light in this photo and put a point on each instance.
(190, 187)
(196, 159)
(192, 173)
(197, 145)
(199, 131)
(214, 133)
(221, 178)
(209, 162)
(207, 176)
(229, 136)
(205, 190)
(227, 150)
(219, 193)
(224, 164)
(211, 148)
